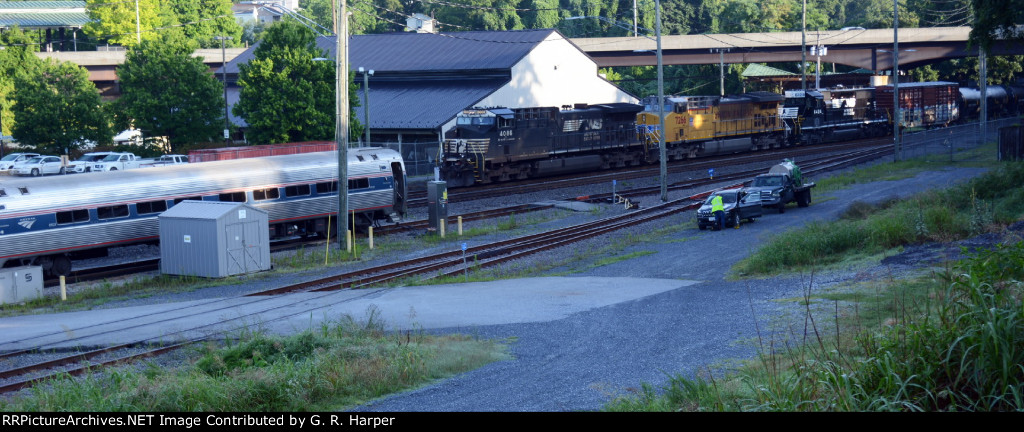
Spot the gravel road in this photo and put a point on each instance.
(580, 362)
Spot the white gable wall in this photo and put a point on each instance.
(555, 73)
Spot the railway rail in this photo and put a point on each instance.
(446, 264)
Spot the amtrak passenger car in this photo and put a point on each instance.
(51, 220)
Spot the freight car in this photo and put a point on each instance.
(500, 144)
(1003, 101)
(922, 105)
(52, 220)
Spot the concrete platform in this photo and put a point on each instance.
(412, 307)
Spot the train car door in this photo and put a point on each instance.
(400, 204)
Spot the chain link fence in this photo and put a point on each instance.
(420, 157)
(952, 143)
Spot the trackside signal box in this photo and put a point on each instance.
(437, 203)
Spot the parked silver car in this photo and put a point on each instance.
(40, 165)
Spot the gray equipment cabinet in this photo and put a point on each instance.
(214, 239)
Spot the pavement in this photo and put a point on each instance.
(517, 301)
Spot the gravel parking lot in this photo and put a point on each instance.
(582, 360)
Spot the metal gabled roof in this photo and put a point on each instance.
(429, 52)
(424, 104)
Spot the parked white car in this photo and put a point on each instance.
(83, 164)
(8, 161)
(40, 165)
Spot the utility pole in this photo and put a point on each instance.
(896, 80)
(341, 123)
(983, 86)
(661, 107)
(366, 100)
(803, 48)
(224, 78)
(721, 69)
(138, 25)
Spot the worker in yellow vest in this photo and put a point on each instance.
(718, 210)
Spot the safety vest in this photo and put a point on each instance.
(716, 204)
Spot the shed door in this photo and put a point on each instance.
(243, 247)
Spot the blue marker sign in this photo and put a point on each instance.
(711, 172)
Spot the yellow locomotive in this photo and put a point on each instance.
(708, 125)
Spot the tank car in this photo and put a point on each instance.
(500, 144)
(52, 220)
(709, 125)
(1003, 101)
(832, 114)
(922, 104)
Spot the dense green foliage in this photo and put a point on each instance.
(15, 58)
(124, 24)
(165, 91)
(288, 96)
(58, 109)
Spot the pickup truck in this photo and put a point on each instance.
(165, 160)
(84, 163)
(782, 185)
(117, 161)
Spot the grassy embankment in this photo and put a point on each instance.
(952, 340)
(337, 366)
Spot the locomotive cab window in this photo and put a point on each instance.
(112, 212)
(73, 216)
(265, 194)
(297, 190)
(151, 207)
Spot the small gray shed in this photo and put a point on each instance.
(213, 239)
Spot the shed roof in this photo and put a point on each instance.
(204, 210)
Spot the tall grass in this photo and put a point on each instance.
(338, 365)
(980, 205)
(954, 342)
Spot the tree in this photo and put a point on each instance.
(16, 56)
(288, 96)
(58, 109)
(116, 22)
(202, 20)
(165, 91)
(995, 19)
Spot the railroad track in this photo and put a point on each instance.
(448, 264)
